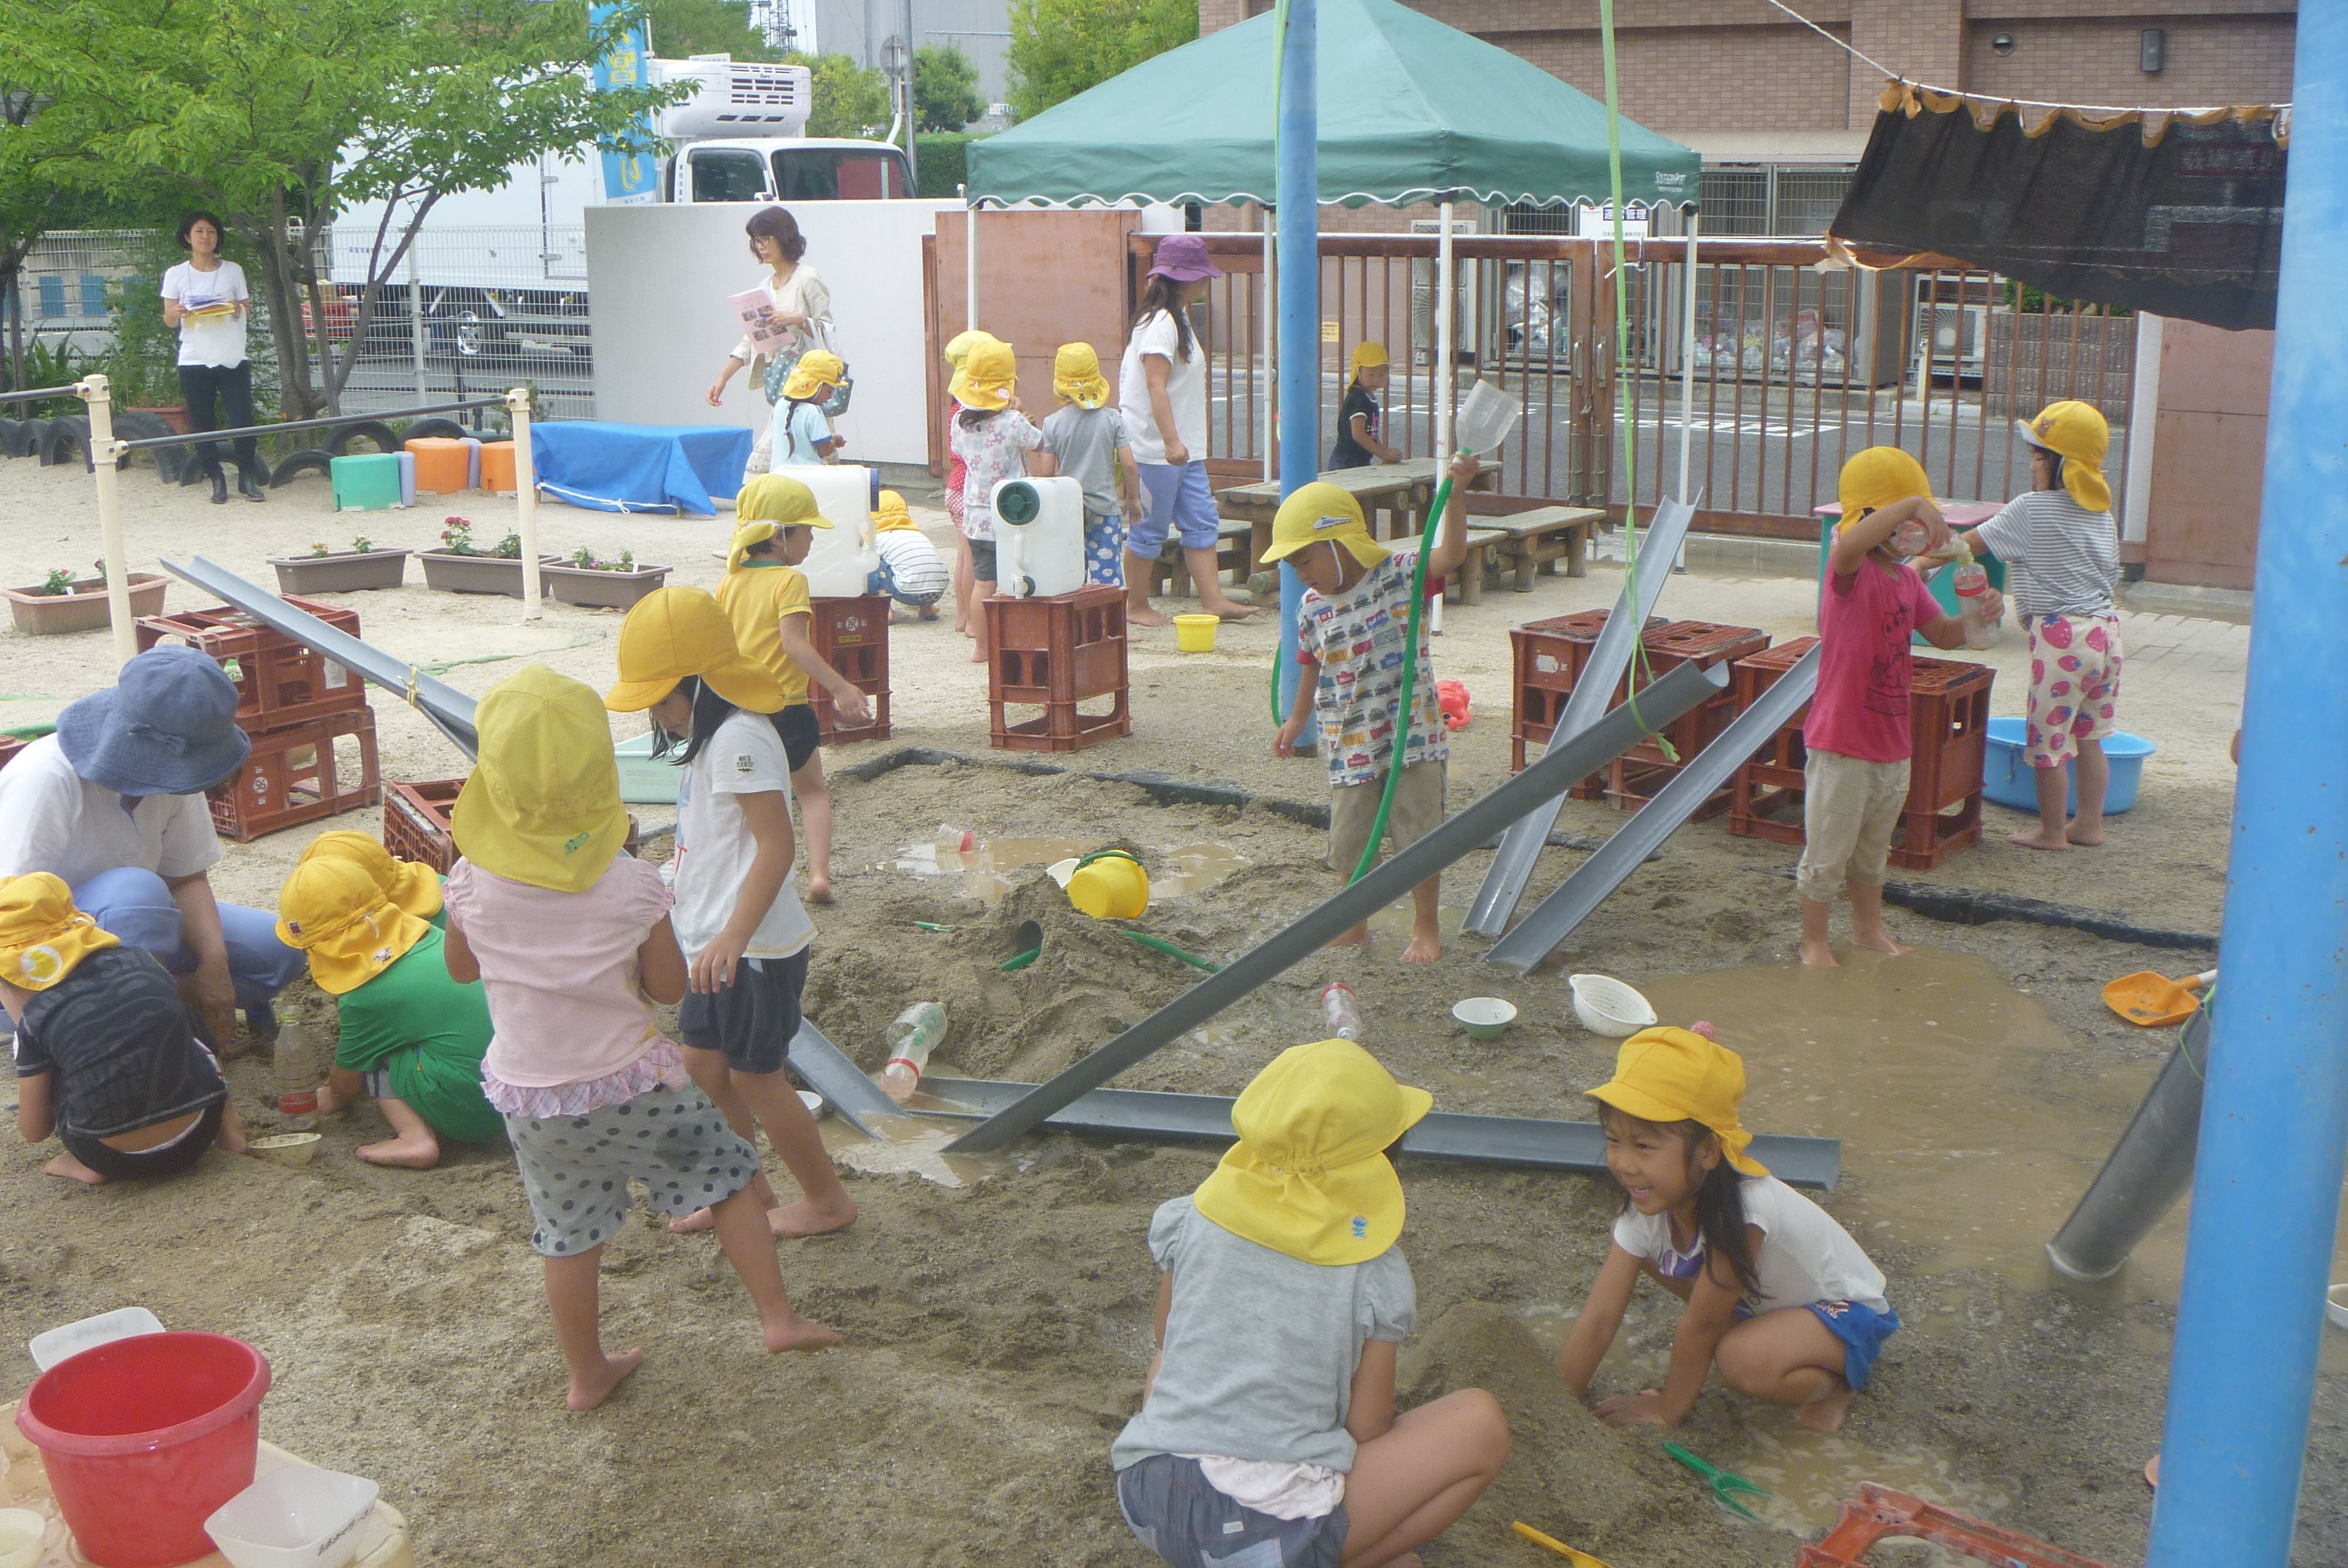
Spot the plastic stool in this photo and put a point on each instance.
(473, 462)
(497, 467)
(366, 481)
(440, 463)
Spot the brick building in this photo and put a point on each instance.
(1781, 114)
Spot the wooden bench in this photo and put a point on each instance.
(1487, 550)
(1234, 557)
(1539, 540)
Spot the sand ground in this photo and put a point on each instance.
(999, 1330)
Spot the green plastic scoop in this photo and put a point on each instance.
(1725, 1485)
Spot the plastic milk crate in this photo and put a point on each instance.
(1549, 656)
(1948, 722)
(1056, 653)
(1632, 778)
(852, 636)
(416, 822)
(278, 681)
(300, 772)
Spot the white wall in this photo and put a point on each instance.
(658, 278)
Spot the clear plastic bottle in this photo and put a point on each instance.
(1341, 1010)
(1971, 582)
(915, 1033)
(295, 1071)
(1908, 538)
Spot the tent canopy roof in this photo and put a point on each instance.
(1410, 110)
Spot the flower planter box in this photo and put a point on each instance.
(592, 590)
(343, 572)
(174, 414)
(481, 574)
(84, 609)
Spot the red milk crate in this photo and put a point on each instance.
(1948, 720)
(416, 822)
(9, 746)
(1632, 778)
(296, 775)
(852, 635)
(1549, 656)
(278, 681)
(1056, 652)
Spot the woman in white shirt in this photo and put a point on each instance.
(206, 299)
(802, 306)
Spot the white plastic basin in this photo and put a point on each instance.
(293, 1518)
(1608, 1006)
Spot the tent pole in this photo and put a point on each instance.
(970, 261)
(525, 500)
(1268, 318)
(1300, 290)
(1687, 358)
(104, 459)
(1444, 359)
(2274, 1112)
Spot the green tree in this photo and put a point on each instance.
(284, 117)
(1062, 47)
(686, 27)
(945, 88)
(847, 99)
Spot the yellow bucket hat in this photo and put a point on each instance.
(1321, 511)
(1368, 356)
(1875, 478)
(774, 499)
(1077, 375)
(42, 934)
(337, 915)
(893, 515)
(410, 883)
(673, 633)
(818, 368)
(987, 376)
(1666, 1075)
(2076, 433)
(542, 805)
(958, 350)
(1309, 1177)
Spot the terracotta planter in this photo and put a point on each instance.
(481, 574)
(84, 609)
(592, 590)
(174, 414)
(343, 572)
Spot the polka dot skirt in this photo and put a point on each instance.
(576, 1169)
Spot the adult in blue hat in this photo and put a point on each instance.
(113, 805)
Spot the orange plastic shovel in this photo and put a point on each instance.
(1578, 1559)
(2153, 999)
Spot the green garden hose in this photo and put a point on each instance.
(1409, 681)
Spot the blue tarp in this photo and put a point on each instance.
(639, 467)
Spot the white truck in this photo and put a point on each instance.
(505, 269)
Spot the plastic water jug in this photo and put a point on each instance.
(841, 562)
(1039, 536)
(1972, 585)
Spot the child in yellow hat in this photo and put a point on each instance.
(572, 940)
(1350, 631)
(1855, 784)
(107, 1053)
(2061, 535)
(803, 435)
(1086, 440)
(1778, 1296)
(1359, 420)
(911, 572)
(993, 437)
(745, 937)
(407, 1035)
(1268, 1430)
(957, 355)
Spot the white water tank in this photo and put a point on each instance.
(1039, 536)
(735, 97)
(841, 562)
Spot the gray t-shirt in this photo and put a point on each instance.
(2069, 556)
(1085, 442)
(1261, 1348)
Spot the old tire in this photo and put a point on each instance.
(309, 460)
(435, 427)
(65, 439)
(24, 439)
(374, 431)
(137, 427)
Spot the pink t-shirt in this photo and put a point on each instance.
(1864, 623)
(561, 970)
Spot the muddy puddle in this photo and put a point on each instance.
(910, 1145)
(988, 867)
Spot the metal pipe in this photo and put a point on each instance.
(525, 501)
(72, 389)
(105, 455)
(1687, 371)
(2274, 1115)
(416, 320)
(1270, 308)
(969, 260)
(1299, 194)
(1442, 348)
(2149, 1168)
(321, 424)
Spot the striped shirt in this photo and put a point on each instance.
(2069, 555)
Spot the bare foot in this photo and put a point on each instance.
(1424, 949)
(819, 889)
(2089, 838)
(1228, 609)
(698, 1220)
(1352, 936)
(1819, 955)
(929, 612)
(793, 1332)
(408, 1153)
(73, 1170)
(2035, 839)
(586, 1393)
(978, 655)
(804, 1218)
(233, 1140)
(2152, 1472)
(1877, 941)
(1825, 1415)
(1145, 616)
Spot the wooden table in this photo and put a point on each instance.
(1394, 498)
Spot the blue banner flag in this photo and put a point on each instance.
(629, 178)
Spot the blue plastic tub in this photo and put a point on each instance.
(2006, 771)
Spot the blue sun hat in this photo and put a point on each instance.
(166, 726)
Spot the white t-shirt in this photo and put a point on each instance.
(1804, 1256)
(714, 846)
(215, 340)
(1186, 390)
(54, 820)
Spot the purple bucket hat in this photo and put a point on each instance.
(1183, 258)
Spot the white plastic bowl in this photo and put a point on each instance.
(812, 1101)
(1608, 1006)
(293, 1518)
(291, 1149)
(21, 1530)
(1485, 1018)
(89, 1333)
(2335, 1305)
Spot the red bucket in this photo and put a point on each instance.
(144, 1437)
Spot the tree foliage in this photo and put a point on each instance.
(1062, 47)
(846, 99)
(945, 88)
(685, 28)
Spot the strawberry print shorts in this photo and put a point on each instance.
(2075, 684)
